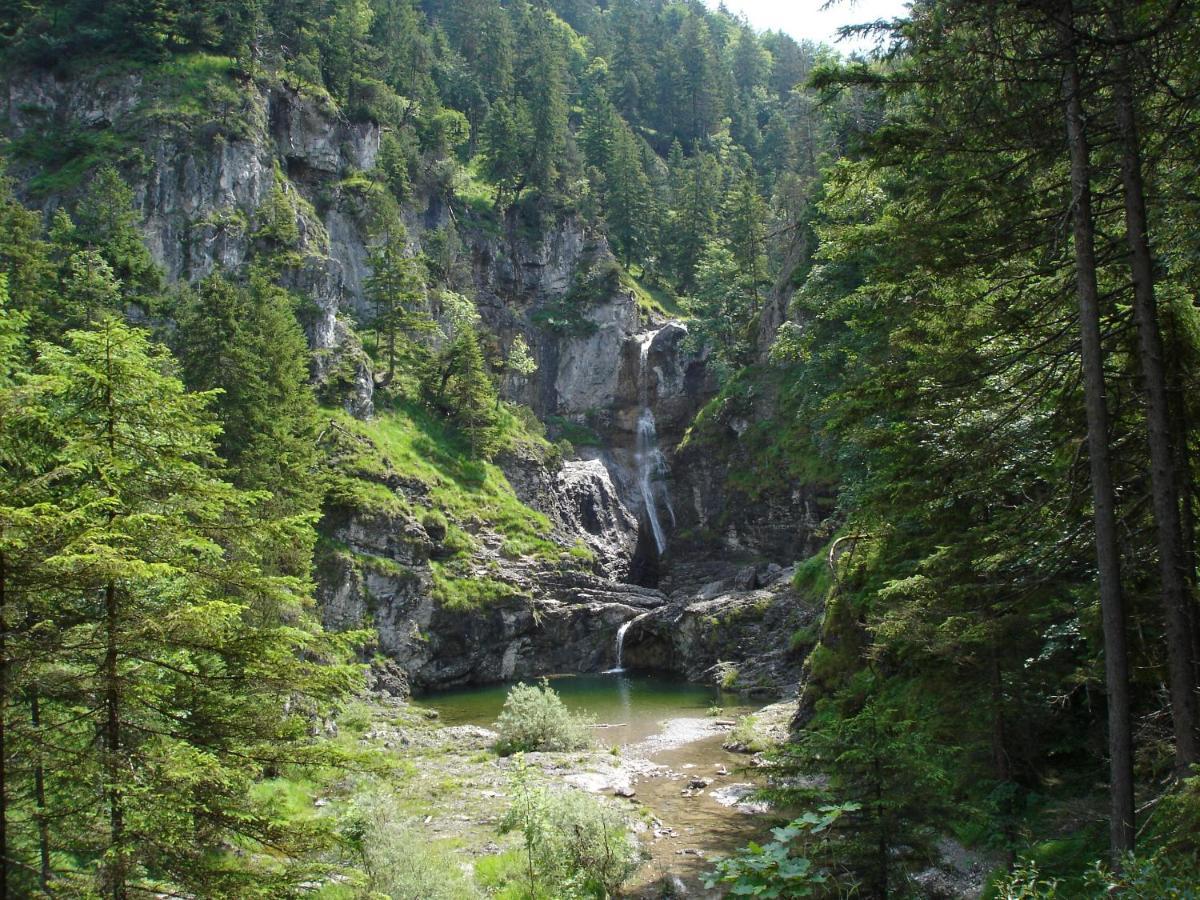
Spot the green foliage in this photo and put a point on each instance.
(276, 219)
(361, 458)
(245, 341)
(535, 718)
(575, 846)
(397, 856)
(66, 155)
(468, 396)
(721, 307)
(775, 869)
(520, 361)
(396, 291)
(727, 675)
(395, 162)
(157, 597)
(105, 222)
(887, 782)
(467, 591)
(565, 315)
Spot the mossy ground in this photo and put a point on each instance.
(467, 498)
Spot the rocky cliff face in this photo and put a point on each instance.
(604, 367)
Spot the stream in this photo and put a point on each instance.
(668, 734)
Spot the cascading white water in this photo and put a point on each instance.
(650, 463)
(652, 466)
(619, 667)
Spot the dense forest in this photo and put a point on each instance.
(952, 282)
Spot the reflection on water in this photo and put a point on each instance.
(631, 705)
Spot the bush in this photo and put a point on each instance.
(781, 868)
(726, 674)
(398, 859)
(575, 845)
(535, 718)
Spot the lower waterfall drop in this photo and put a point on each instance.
(619, 667)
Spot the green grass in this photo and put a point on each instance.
(651, 300)
(470, 592)
(478, 194)
(579, 434)
(467, 496)
(503, 875)
(65, 156)
(812, 576)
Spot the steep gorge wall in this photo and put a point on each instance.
(200, 185)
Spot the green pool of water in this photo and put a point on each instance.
(632, 704)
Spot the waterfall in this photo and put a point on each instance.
(651, 463)
(619, 667)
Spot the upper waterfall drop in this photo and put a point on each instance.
(651, 464)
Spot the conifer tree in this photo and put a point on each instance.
(628, 199)
(244, 340)
(745, 226)
(396, 290)
(105, 221)
(177, 631)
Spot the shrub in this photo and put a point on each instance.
(781, 868)
(726, 675)
(575, 845)
(535, 718)
(398, 859)
(803, 638)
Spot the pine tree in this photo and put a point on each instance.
(176, 631)
(745, 226)
(545, 93)
(105, 221)
(628, 199)
(26, 261)
(244, 340)
(396, 291)
(506, 134)
(467, 393)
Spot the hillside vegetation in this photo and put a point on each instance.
(953, 282)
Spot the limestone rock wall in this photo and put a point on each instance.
(199, 187)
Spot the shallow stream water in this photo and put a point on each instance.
(674, 727)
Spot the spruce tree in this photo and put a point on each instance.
(244, 340)
(396, 291)
(199, 661)
(106, 221)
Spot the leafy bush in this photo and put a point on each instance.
(535, 718)
(1157, 877)
(774, 869)
(575, 845)
(726, 674)
(398, 859)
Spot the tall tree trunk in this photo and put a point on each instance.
(1108, 563)
(1000, 763)
(116, 868)
(112, 748)
(1177, 377)
(1164, 482)
(39, 792)
(3, 736)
